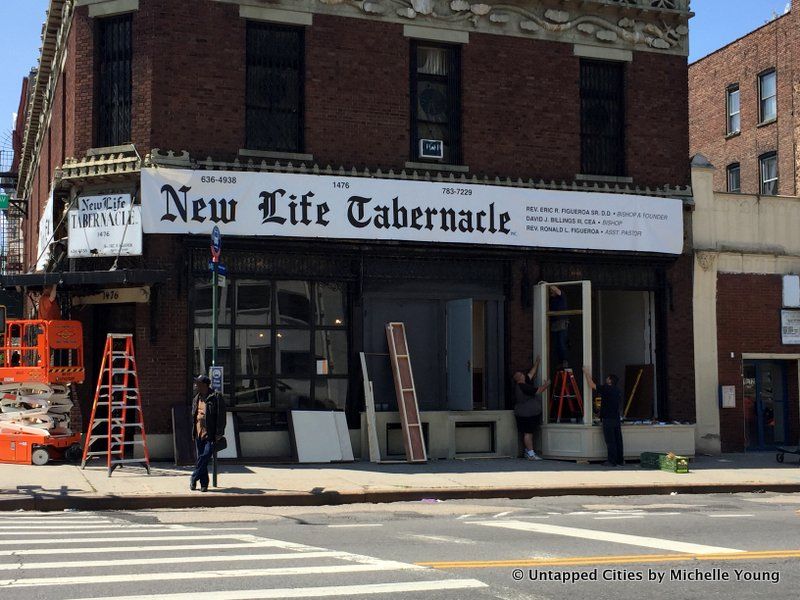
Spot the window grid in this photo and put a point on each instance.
(274, 115)
(734, 178)
(768, 96)
(275, 379)
(114, 89)
(733, 109)
(768, 164)
(434, 116)
(602, 118)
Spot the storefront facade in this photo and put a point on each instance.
(337, 216)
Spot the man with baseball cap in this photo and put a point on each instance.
(208, 425)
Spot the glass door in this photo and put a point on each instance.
(765, 404)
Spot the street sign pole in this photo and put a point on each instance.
(216, 243)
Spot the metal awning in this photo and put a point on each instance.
(82, 279)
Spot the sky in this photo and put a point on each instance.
(716, 23)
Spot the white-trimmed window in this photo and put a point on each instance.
(768, 164)
(734, 178)
(734, 119)
(768, 96)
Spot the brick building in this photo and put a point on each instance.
(425, 162)
(741, 109)
(744, 129)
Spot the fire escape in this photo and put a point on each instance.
(11, 214)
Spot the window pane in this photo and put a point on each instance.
(602, 118)
(734, 184)
(768, 97)
(253, 393)
(432, 102)
(330, 394)
(203, 350)
(203, 303)
(733, 101)
(332, 346)
(294, 303)
(293, 348)
(768, 85)
(254, 352)
(253, 302)
(293, 394)
(330, 304)
(432, 61)
(769, 175)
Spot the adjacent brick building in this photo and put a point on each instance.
(201, 106)
(743, 129)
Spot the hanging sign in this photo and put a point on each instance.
(176, 201)
(105, 226)
(45, 235)
(139, 295)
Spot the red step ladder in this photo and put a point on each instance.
(117, 412)
(566, 388)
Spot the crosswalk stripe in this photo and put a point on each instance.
(156, 548)
(373, 566)
(110, 529)
(188, 535)
(168, 560)
(314, 592)
(606, 536)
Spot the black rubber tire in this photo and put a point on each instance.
(73, 454)
(40, 456)
(779, 457)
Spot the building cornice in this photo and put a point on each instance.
(169, 159)
(649, 25)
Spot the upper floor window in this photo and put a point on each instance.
(602, 118)
(768, 95)
(114, 89)
(275, 97)
(768, 164)
(436, 99)
(734, 178)
(734, 122)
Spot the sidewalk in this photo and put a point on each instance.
(59, 487)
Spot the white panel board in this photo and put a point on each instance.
(317, 437)
(230, 435)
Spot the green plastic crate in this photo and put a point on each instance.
(674, 464)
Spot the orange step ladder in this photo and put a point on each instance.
(413, 439)
(566, 388)
(117, 411)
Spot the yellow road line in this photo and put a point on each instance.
(609, 560)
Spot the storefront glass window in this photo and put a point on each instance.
(330, 308)
(253, 302)
(331, 347)
(203, 303)
(283, 344)
(293, 352)
(294, 303)
(254, 352)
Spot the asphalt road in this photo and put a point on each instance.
(681, 547)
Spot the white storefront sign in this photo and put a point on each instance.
(105, 226)
(178, 201)
(45, 235)
(790, 327)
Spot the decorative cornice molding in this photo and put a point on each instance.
(169, 158)
(650, 25)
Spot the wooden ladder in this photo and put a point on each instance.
(117, 410)
(413, 439)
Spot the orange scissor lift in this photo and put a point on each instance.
(39, 360)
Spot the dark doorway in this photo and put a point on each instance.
(766, 408)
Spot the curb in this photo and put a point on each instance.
(333, 498)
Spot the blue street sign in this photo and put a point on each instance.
(216, 239)
(216, 375)
(221, 269)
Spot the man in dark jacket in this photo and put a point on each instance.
(610, 410)
(528, 406)
(208, 425)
